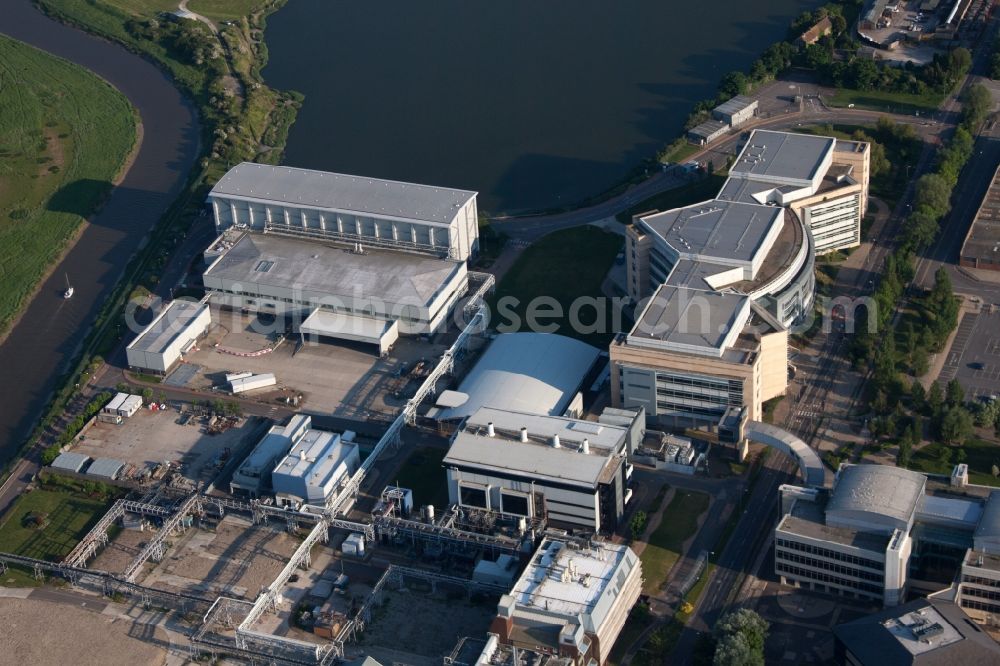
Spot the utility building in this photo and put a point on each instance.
(573, 472)
(736, 111)
(314, 467)
(341, 208)
(571, 601)
(161, 345)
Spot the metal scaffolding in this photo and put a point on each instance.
(155, 548)
(97, 537)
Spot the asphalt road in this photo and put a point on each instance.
(51, 329)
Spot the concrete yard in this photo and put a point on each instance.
(235, 560)
(338, 378)
(42, 632)
(121, 550)
(398, 635)
(148, 438)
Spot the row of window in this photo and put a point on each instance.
(828, 566)
(700, 381)
(367, 311)
(992, 595)
(980, 605)
(789, 570)
(663, 406)
(976, 580)
(829, 554)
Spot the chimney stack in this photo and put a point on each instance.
(490, 430)
(524, 434)
(586, 446)
(555, 442)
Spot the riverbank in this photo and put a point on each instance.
(68, 137)
(154, 208)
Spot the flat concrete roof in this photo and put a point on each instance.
(727, 231)
(770, 154)
(169, 324)
(543, 584)
(337, 191)
(983, 239)
(276, 261)
(806, 519)
(691, 317)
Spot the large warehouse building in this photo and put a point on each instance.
(342, 208)
(343, 257)
(981, 248)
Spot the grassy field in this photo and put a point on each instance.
(422, 473)
(682, 152)
(60, 127)
(981, 455)
(878, 100)
(67, 517)
(679, 523)
(224, 10)
(697, 191)
(564, 265)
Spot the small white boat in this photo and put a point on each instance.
(69, 289)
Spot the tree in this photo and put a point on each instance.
(935, 400)
(956, 425)
(905, 452)
(734, 83)
(919, 362)
(638, 524)
(741, 635)
(976, 104)
(955, 395)
(933, 192)
(147, 394)
(995, 471)
(918, 395)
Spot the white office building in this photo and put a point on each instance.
(315, 465)
(161, 345)
(571, 601)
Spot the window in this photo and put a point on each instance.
(264, 266)
(514, 503)
(473, 496)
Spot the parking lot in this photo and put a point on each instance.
(149, 438)
(333, 377)
(974, 356)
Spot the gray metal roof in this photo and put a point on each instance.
(69, 461)
(694, 274)
(336, 191)
(806, 520)
(170, 323)
(106, 468)
(394, 277)
(695, 317)
(769, 154)
(884, 638)
(709, 129)
(571, 432)
(473, 448)
(530, 372)
(724, 231)
(878, 492)
(735, 105)
(949, 511)
(987, 536)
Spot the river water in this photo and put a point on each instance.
(532, 103)
(51, 329)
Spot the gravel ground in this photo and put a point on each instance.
(39, 632)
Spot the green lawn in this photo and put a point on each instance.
(423, 474)
(564, 266)
(681, 152)
(225, 10)
(64, 135)
(879, 100)
(680, 522)
(67, 519)
(981, 455)
(697, 191)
